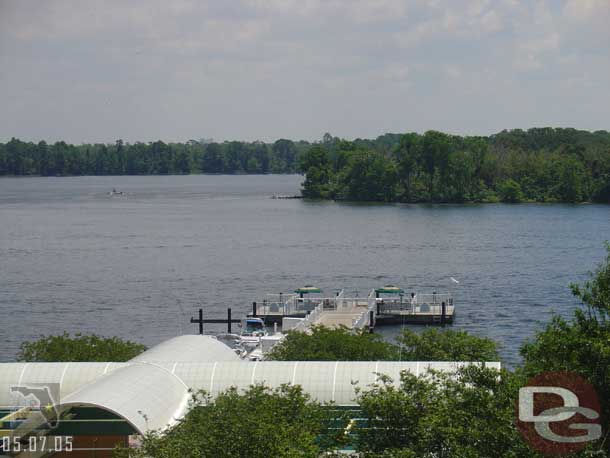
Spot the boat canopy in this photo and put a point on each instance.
(389, 289)
(307, 289)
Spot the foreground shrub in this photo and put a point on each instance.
(82, 348)
(257, 423)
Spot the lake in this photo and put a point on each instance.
(138, 266)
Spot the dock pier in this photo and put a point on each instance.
(382, 306)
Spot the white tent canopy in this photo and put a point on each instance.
(151, 392)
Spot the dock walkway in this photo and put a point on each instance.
(296, 312)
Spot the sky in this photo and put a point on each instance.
(96, 71)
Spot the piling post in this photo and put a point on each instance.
(229, 320)
(199, 321)
(371, 321)
(254, 309)
(443, 313)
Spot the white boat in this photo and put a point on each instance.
(253, 329)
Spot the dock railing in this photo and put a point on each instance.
(364, 320)
(293, 304)
(421, 303)
(339, 299)
(310, 319)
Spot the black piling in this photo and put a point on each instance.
(199, 321)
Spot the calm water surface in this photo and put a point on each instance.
(138, 266)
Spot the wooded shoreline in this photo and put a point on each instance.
(537, 165)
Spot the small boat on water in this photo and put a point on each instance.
(250, 344)
(252, 330)
(114, 192)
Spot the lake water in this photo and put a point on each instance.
(138, 266)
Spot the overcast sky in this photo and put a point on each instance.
(96, 71)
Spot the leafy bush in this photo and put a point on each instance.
(79, 348)
(445, 345)
(470, 414)
(341, 344)
(325, 344)
(257, 423)
(581, 345)
(510, 191)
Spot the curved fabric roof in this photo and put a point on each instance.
(160, 391)
(148, 396)
(69, 376)
(152, 391)
(325, 381)
(189, 348)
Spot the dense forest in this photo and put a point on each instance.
(156, 158)
(541, 164)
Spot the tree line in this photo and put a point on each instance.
(537, 165)
(156, 158)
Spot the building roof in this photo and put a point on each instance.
(151, 392)
(188, 348)
(147, 396)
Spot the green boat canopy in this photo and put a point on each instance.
(307, 289)
(389, 289)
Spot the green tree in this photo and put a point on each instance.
(212, 160)
(436, 148)
(3, 160)
(462, 185)
(258, 423)
(582, 344)
(253, 166)
(570, 179)
(341, 344)
(368, 176)
(182, 162)
(284, 155)
(326, 344)
(81, 348)
(407, 156)
(315, 163)
(510, 191)
(469, 414)
(445, 345)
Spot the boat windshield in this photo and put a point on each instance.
(254, 326)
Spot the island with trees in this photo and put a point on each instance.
(538, 165)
